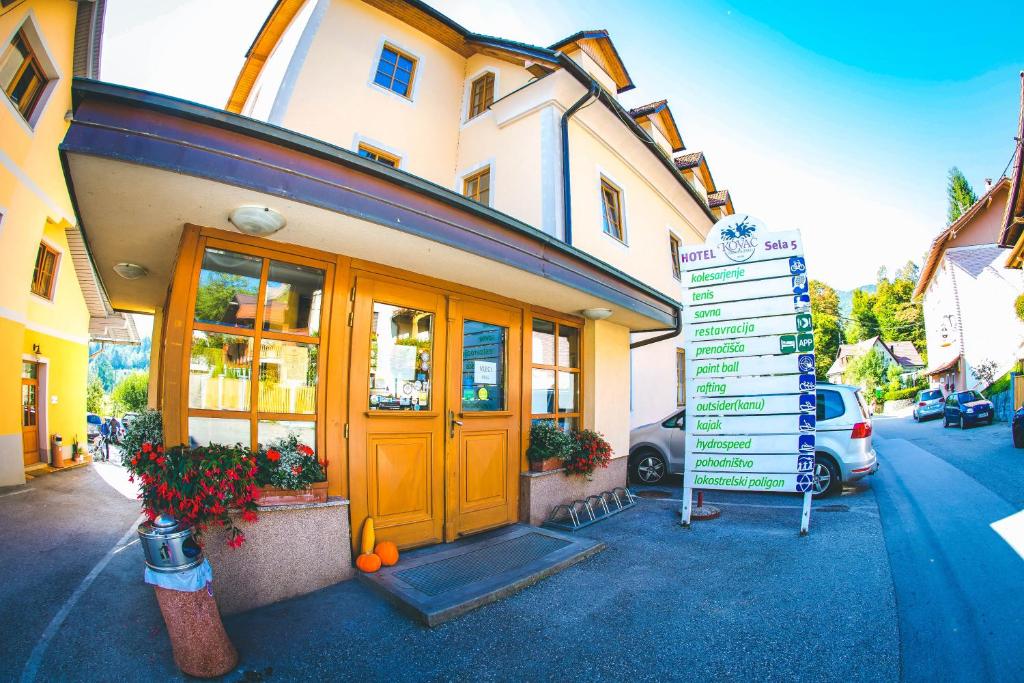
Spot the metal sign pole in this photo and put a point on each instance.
(805, 517)
(687, 506)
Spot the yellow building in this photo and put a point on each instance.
(51, 301)
(405, 242)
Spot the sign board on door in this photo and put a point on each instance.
(751, 392)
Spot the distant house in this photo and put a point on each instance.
(969, 294)
(903, 353)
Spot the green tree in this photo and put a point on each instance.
(216, 294)
(132, 393)
(961, 195)
(863, 323)
(828, 330)
(94, 395)
(868, 371)
(899, 316)
(105, 373)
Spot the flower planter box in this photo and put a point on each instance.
(546, 465)
(272, 495)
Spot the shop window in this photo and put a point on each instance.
(611, 206)
(680, 377)
(673, 243)
(483, 366)
(555, 374)
(395, 70)
(477, 186)
(481, 95)
(401, 348)
(21, 75)
(45, 272)
(254, 369)
(381, 157)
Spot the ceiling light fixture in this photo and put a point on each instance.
(258, 221)
(130, 271)
(596, 313)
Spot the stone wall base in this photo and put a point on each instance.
(290, 551)
(540, 492)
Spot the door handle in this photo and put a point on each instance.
(454, 422)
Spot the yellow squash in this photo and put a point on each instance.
(369, 537)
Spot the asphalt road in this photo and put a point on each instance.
(958, 583)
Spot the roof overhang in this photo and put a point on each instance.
(598, 45)
(274, 26)
(659, 114)
(140, 166)
(944, 367)
(1013, 218)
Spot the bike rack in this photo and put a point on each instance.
(581, 513)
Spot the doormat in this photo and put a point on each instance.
(442, 582)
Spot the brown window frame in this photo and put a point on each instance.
(674, 246)
(390, 86)
(376, 154)
(481, 95)
(257, 334)
(27, 107)
(578, 371)
(475, 193)
(40, 287)
(680, 377)
(611, 211)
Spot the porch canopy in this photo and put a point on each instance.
(141, 165)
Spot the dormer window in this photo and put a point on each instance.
(395, 70)
(481, 95)
(21, 76)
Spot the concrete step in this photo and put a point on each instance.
(441, 582)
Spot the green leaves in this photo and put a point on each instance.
(961, 195)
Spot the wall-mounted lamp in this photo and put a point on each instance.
(36, 349)
(130, 271)
(596, 313)
(258, 221)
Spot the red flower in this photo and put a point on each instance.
(273, 456)
(248, 515)
(237, 541)
(297, 470)
(147, 447)
(304, 449)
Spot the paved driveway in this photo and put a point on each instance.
(743, 597)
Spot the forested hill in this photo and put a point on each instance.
(117, 357)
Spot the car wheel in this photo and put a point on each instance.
(991, 419)
(1018, 438)
(826, 477)
(963, 422)
(649, 467)
(916, 418)
(945, 422)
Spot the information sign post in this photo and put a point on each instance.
(750, 384)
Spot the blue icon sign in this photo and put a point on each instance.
(805, 463)
(808, 382)
(802, 302)
(804, 482)
(797, 265)
(808, 403)
(800, 284)
(805, 362)
(806, 424)
(806, 443)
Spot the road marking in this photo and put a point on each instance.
(14, 493)
(35, 659)
(1011, 529)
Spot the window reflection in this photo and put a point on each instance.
(293, 299)
(543, 397)
(483, 367)
(567, 392)
(401, 359)
(202, 431)
(543, 342)
(228, 286)
(273, 430)
(288, 377)
(220, 369)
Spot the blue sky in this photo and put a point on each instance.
(840, 122)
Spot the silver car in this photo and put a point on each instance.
(930, 403)
(842, 443)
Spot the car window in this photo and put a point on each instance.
(830, 405)
(864, 412)
(677, 421)
(968, 396)
(931, 395)
(951, 401)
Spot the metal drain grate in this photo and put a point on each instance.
(461, 570)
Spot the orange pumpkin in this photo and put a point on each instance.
(387, 551)
(368, 562)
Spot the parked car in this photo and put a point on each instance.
(843, 442)
(1017, 428)
(127, 419)
(966, 408)
(93, 423)
(930, 403)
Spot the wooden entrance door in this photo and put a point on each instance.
(484, 382)
(397, 411)
(30, 412)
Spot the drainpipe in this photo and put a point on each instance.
(566, 190)
(674, 332)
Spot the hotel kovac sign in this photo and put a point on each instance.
(751, 402)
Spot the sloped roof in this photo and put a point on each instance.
(688, 160)
(598, 45)
(1013, 219)
(662, 116)
(975, 260)
(943, 367)
(105, 324)
(721, 198)
(938, 247)
(906, 353)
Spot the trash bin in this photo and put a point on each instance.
(56, 451)
(182, 579)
